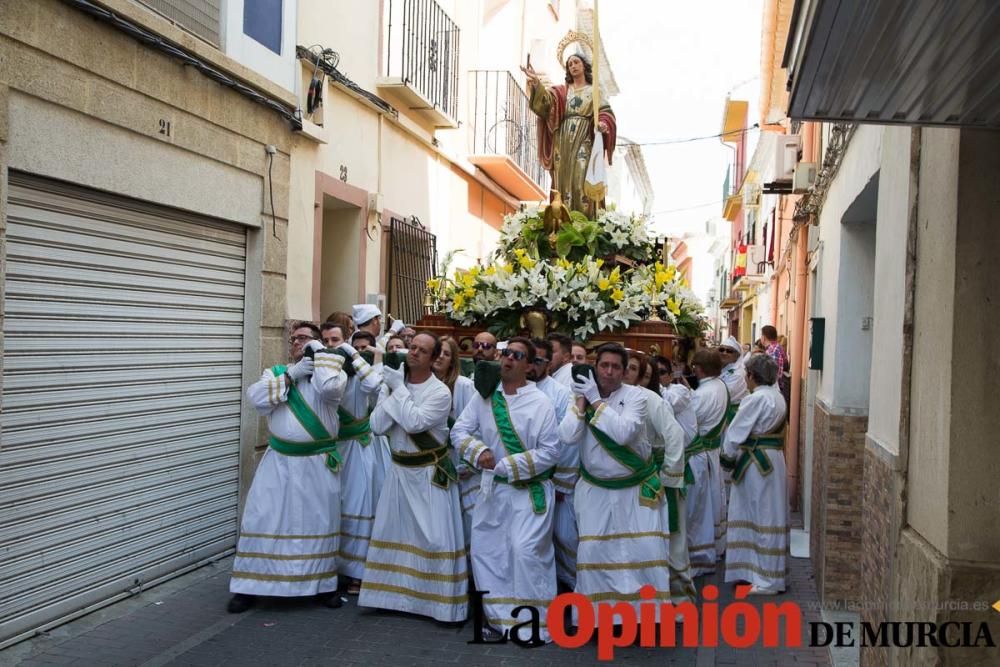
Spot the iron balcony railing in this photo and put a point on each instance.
(422, 50)
(503, 123)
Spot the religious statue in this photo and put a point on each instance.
(566, 121)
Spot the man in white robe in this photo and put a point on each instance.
(417, 557)
(517, 450)
(734, 375)
(564, 535)
(363, 341)
(561, 366)
(290, 533)
(357, 510)
(619, 501)
(758, 509)
(704, 498)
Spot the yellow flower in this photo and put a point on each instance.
(519, 252)
(458, 301)
(468, 280)
(671, 272)
(673, 307)
(507, 267)
(617, 295)
(433, 284)
(564, 263)
(603, 284)
(469, 292)
(526, 262)
(600, 263)
(490, 270)
(660, 278)
(474, 271)
(616, 275)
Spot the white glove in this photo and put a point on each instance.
(587, 387)
(315, 346)
(486, 484)
(393, 378)
(300, 370)
(397, 326)
(346, 347)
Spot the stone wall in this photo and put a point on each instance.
(835, 532)
(880, 512)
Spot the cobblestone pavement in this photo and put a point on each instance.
(185, 623)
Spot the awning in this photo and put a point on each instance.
(913, 62)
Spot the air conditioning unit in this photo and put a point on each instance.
(803, 177)
(786, 156)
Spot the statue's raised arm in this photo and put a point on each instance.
(566, 125)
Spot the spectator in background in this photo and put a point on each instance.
(407, 333)
(774, 349)
(578, 353)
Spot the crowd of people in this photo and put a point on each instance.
(551, 468)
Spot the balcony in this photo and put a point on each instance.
(505, 143)
(421, 61)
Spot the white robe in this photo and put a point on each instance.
(417, 557)
(290, 533)
(564, 534)
(623, 543)
(381, 454)
(564, 375)
(357, 511)
(735, 377)
(758, 508)
(705, 499)
(468, 485)
(512, 553)
(664, 432)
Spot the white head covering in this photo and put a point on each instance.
(730, 342)
(364, 313)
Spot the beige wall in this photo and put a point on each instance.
(930, 398)
(82, 102)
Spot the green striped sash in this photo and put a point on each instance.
(645, 474)
(512, 443)
(323, 442)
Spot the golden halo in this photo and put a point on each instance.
(571, 37)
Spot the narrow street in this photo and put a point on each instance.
(185, 623)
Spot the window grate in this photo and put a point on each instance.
(198, 16)
(412, 258)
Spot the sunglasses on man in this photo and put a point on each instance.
(516, 355)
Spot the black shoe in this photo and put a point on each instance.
(331, 600)
(240, 602)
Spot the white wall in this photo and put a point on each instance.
(894, 199)
(859, 164)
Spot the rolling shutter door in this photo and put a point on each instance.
(121, 397)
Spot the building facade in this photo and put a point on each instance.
(143, 287)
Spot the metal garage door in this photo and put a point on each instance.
(121, 396)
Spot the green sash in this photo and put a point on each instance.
(354, 428)
(433, 453)
(752, 451)
(673, 507)
(645, 474)
(512, 443)
(323, 442)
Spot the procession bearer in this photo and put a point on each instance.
(517, 448)
(417, 557)
(620, 507)
(290, 535)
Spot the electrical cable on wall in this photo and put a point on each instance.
(270, 188)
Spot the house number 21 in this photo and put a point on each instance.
(165, 127)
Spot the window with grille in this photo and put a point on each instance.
(412, 258)
(198, 16)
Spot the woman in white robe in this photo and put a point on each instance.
(758, 505)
